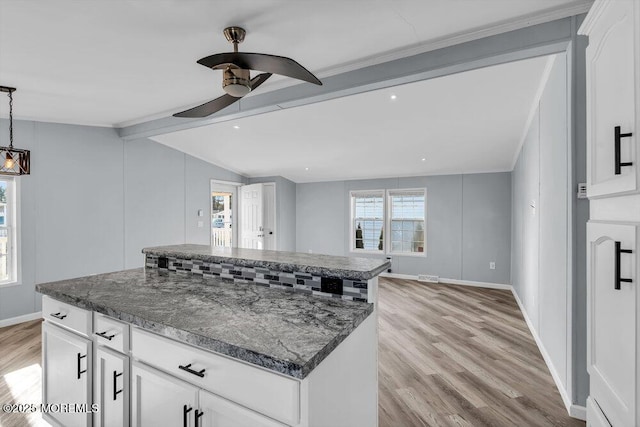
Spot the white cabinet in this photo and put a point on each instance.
(613, 87)
(161, 399)
(111, 391)
(613, 178)
(612, 310)
(219, 412)
(66, 360)
(158, 399)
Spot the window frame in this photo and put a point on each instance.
(389, 218)
(352, 197)
(386, 220)
(12, 224)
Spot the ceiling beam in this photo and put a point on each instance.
(537, 40)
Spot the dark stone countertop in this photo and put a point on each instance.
(288, 262)
(283, 331)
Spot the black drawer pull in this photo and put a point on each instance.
(617, 279)
(198, 414)
(617, 134)
(115, 389)
(187, 368)
(58, 315)
(185, 411)
(80, 357)
(104, 335)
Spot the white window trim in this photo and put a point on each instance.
(387, 224)
(13, 217)
(386, 196)
(352, 230)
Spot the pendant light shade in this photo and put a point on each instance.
(13, 161)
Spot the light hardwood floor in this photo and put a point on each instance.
(448, 356)
(460, 356)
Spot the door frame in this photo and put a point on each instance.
(216, 183)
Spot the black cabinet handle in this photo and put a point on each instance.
(617, 279)
(198, 414)
(185, 412)
(80, 357)
(104, 335)
(58, 315)
(617, 134)
(115, 389)
(187, 368)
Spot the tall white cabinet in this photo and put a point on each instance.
(613, 188)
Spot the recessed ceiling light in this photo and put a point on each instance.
(393, 97)
(424, 159)
(236, 127)
(306, 169)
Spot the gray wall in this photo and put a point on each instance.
(94, 201)
(285, 211)
(542, 270)
(468, 223)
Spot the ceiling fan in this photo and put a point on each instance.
(236, 79)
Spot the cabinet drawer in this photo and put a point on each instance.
(268, 393)
(111, 333)
(68, 316)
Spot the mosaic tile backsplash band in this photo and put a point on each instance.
(352, 290)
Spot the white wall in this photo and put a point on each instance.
(93, 201)
(468, 223)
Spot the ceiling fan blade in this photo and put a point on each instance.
(259, 79)
(208, 108)
(262, 62)
(218, 104)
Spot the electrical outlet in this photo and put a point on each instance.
(492, 265)
(200, 224)
(310, 251)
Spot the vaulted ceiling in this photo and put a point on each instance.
(118, 63)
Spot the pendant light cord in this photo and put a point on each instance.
(10, 119)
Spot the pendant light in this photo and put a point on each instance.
(13, 161)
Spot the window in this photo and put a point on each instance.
(8, 270)
(406, 215)
(400, 211)
(367, 211)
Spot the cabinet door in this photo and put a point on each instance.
(611, 84)
(111, 390)
(66, 364)
(611, 319)
(219, 412)
(158, 399)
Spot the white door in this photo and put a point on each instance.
(251, 217)
(110, 388)
(158, 399)
(66, 359)
(219, 412)
(269, 216)
(611, 322)
(611, 80)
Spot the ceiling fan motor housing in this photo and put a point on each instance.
(236, 82)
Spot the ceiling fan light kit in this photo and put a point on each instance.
(236, 73)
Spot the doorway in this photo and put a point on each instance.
(223, 205)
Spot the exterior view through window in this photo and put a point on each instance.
(400, 211)
(7, 226)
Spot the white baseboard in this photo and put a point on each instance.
(579, 412)
(476, 284)
(445, 281)
(20, 319)
(575, 411)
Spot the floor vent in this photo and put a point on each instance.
(428, 278)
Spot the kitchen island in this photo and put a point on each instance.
(168, 346)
